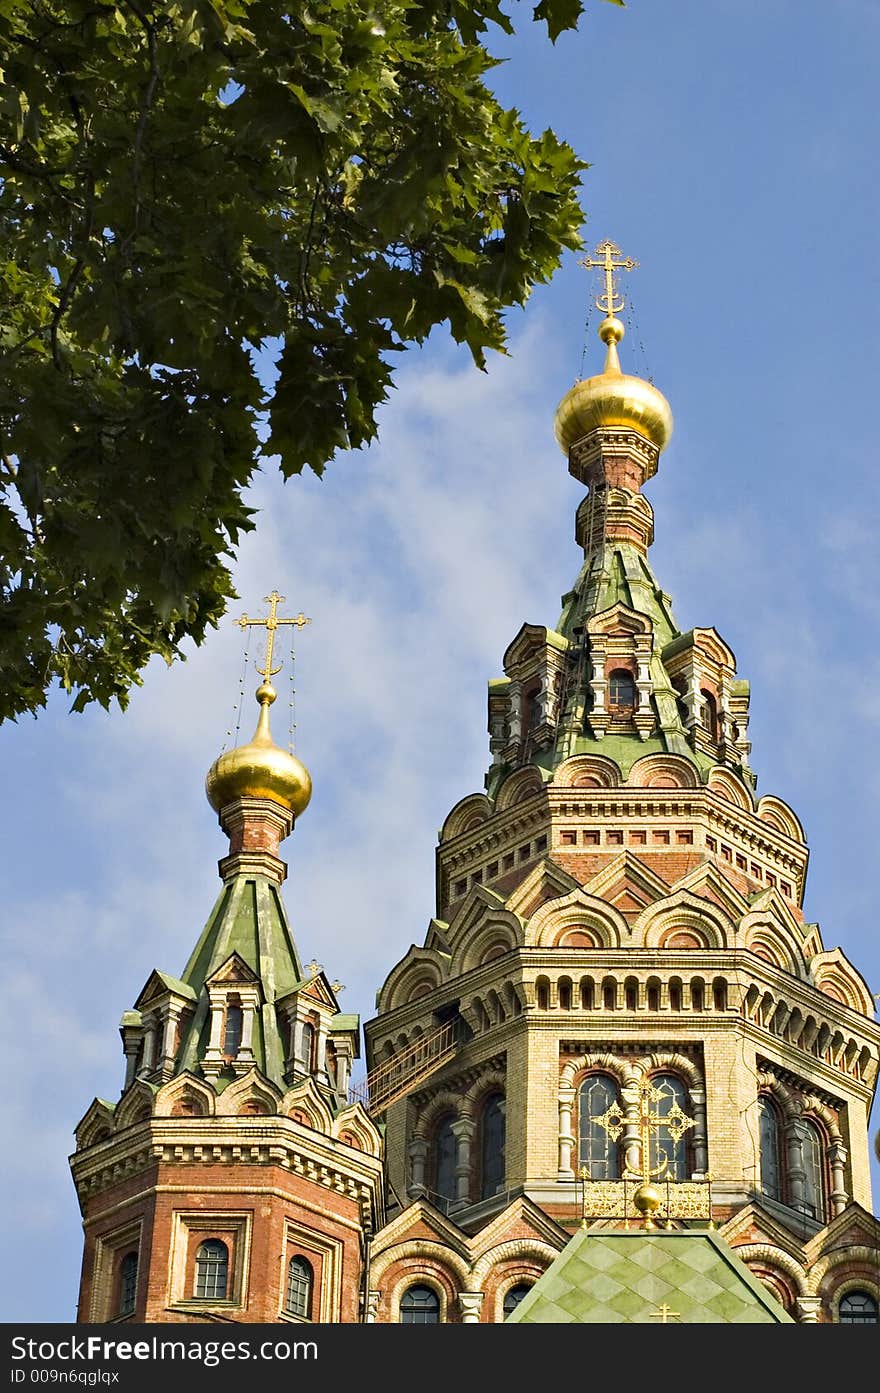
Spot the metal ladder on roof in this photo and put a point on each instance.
(400, 1075)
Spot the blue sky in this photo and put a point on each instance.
(732, 149)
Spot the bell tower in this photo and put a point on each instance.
(620, 935)
(233, 1179)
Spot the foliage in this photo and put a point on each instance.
(190, 192)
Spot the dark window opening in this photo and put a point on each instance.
(420, 1306)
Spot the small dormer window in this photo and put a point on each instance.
(308, 1046)
(709, 714)
(621, 690)
(232, 1033)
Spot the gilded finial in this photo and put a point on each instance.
(608, 258)
(260, 769)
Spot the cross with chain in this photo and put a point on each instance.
(613, 1120)
(271, 623)
(606, 252)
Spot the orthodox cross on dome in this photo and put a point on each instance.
(314, 968)
(611, 302)
(271, 623)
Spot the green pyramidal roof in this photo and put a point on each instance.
(248, 918)
(609, 1276)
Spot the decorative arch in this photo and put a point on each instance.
(518, 786)
(663, 771)
(833, 971)
(775, 1259)
(762, 931)
(779, 815)
(668, 1061)
(575, 1070)
(436, 1107)
(353, 1122)
(514, 1250)
(135, 1105)
(731, 788)
(254, 1088)
(866, 1282)
(305, 1100)
(684, 912)
(587, 771)
(468, 813)
(182, 1093)
(851, 1256)
(420, 966)
(577, 910)
(500, 929)
(96, 1126)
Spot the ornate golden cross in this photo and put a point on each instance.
(663, 1314)
(271, 623)
(674, 1120)
(607, 251)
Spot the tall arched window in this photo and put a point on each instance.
(709, 714)
(621, 689)
(814, 1185)
(769, 1133)
(128, 1275)
(212, 1270)
(420, 1306)
(857, 1308)
(300, 1279)
(307, 1048)
(597, 1151)
(492, 1147)
(232, 1033)
(445, 1156)
(663, 1144)
(513, 1297)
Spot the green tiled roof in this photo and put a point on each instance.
(610, 1276)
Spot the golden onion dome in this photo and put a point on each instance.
(612, 399)
(259, 769)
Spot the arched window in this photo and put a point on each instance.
(232, 1034)
(621, 689)
(814, 1187)
(492, 1147)
(597, 1151)
(663, 1144)
(420, 1306)
(128, 1275)
(857, 1308)
(212, 1269)
(513, 1297)
(300, 1279)
(445, 1154)
(768, 1132)
(307, 1049)
(709, 714)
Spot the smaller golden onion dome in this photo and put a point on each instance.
(259, 769)
(612, 399)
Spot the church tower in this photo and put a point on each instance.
(233, 1179)
(619, 1017)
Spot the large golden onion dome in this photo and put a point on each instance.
(259, 769)
(612, 399)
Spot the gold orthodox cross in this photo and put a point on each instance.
(271, 623)
(607, 252)
(649, 1122)
(663, 1314)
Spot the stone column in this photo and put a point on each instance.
(471, 1303)
(373, 1298)
(463, 1129)
(797, 1175)
(131, 1043)
(566, 1138)
(213, 1060)
(246, 1046)
(808, 1309)
(147, 1064)
(837, 1155)
(418, 1155)
(632, 1151)
(701, 1159)
(169, 1040)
